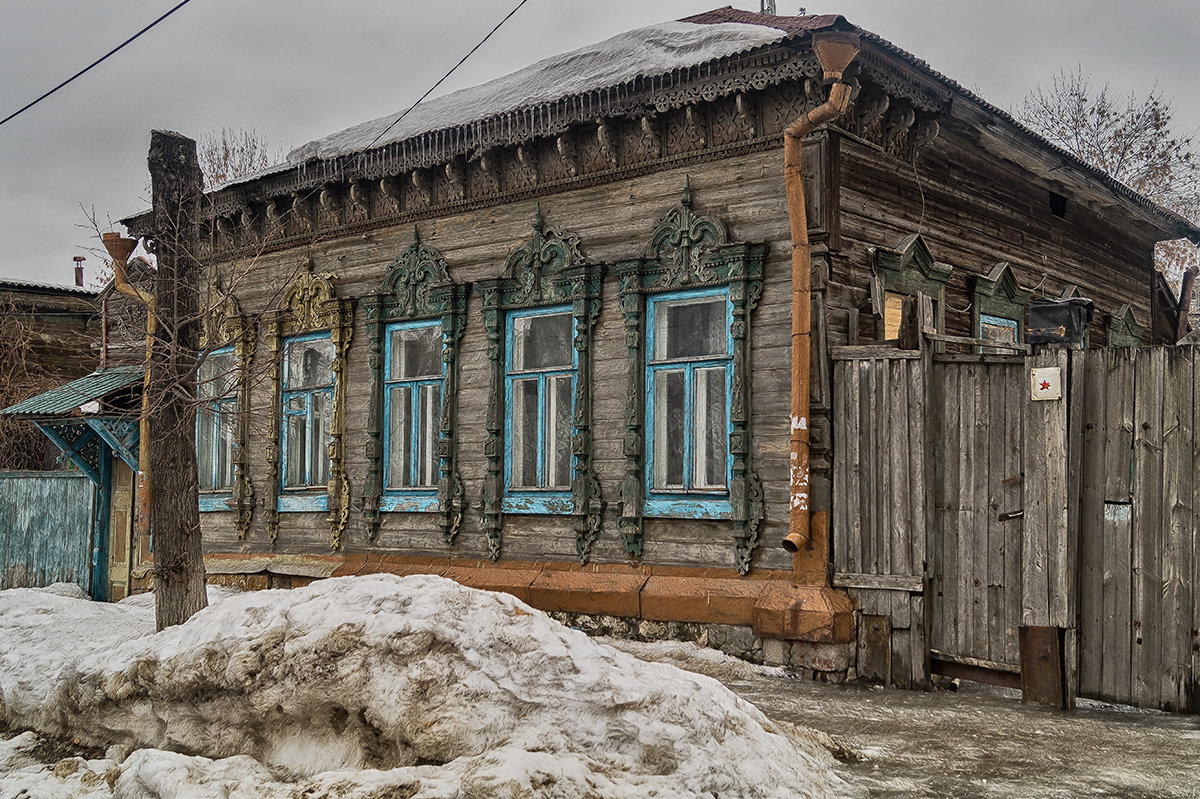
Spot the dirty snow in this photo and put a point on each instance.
(649, 51)
(371, 686)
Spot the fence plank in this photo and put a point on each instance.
(842, 437)
(1116, 679)
(1088, 453)
(1176, 554)
(1149, 373)
(1118, 427)
(1035, 580)
(868, 455)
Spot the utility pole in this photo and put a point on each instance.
(176, 186)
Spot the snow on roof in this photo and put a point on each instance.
(416, 684)
(653, 50)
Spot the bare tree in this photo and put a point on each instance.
(231, 153)
(1131, 138)
(22, 446)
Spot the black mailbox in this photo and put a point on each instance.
(1059, 321)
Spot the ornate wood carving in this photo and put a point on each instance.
(309, 305)
(224, 326)
(417, 286)
(548, 269)
(687, 250)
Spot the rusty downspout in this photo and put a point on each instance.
(835, 51)
(120, 249)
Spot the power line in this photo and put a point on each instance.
(461, 61)
(96, 63)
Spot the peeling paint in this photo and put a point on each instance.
(799, 423)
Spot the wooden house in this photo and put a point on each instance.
(535, 335)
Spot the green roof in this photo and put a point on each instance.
(65, 399)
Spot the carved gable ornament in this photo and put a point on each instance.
(1123, 328)
(535, 268)
(309, 303)
(411, 277)
(680, 242)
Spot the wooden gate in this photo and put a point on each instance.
(975, 439)
(1139, 526)
(965, 511)
(45, 529)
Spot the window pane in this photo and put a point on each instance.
(427, 457)
(525, 433)
(690, 328)
(893, 308)
(558, 432)
(296, 455)
(711, 434)
(669, 428)
(542, 342)
(217, 375)
(416, 352)
(205, 422)
(320, 439)
(225, 444)
(309, 364)
(400, 437)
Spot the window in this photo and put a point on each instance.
(412, 408)
(998, 329)
(308, 385)
(216, 428)
(688, 384)
(539, 390)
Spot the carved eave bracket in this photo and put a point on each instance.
(547, 269)
(309, 305)
(689, 250)
(417, 286)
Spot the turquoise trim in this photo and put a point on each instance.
(535, 500)
(302, 498)
(687, 502)
(415, 498)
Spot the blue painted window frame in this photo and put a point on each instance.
(688, 502)
(414, 498)
(217, 498)
(309, 497)
(524, 499)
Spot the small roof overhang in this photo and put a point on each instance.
(66, 400)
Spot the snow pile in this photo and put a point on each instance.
(383, 686)
(649, 51)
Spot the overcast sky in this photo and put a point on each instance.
(295, 70)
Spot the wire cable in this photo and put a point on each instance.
(95, 63)
(433, 88)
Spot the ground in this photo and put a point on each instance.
(972, 742)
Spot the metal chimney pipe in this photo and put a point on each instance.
(79, 259)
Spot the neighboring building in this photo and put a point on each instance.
(544, 322)
(49, 335)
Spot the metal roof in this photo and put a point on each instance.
(65, 399)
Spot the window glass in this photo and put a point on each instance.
(690, 329)
(542, 341)
(416, 352)
(309, 364)
(688, 393)
(998, 329)
(540, 382)
(216, 383)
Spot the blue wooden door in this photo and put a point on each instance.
(46, 524)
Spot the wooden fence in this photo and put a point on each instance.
(45, 529)
(964, 510)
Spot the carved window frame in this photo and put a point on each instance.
(1123, 328)
(688, 252)
(416, 289)
(910, 269)
(547, 270)
(310, 305)
(225, 327)
(998, 296)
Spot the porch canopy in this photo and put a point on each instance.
(88, 415)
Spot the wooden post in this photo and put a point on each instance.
(176, 187)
